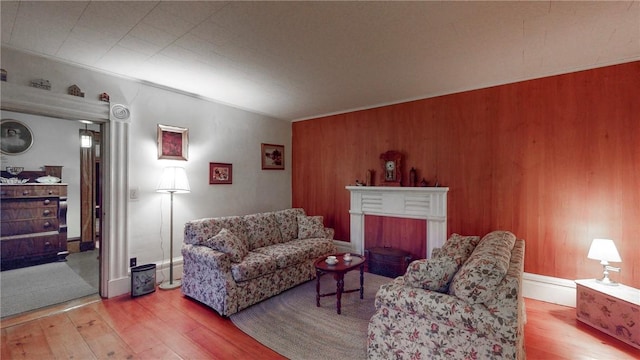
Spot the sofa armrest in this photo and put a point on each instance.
(212, 259)
(441, 308)
(329, 233)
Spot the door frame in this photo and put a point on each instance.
(114, 120)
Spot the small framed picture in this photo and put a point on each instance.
(173, 142)
(15, 137)
(220, 173)
(272, 157)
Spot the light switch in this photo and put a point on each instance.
(134, 193)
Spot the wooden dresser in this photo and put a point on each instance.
(34, 224)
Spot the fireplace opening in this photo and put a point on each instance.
(408, 235)
(387, 261)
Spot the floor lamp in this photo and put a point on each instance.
(173, 180)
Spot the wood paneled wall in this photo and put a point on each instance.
(555, 160)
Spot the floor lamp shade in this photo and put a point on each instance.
(173, 180)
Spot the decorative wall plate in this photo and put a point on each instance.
(15, 137)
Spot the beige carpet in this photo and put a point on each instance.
(293, 326)
(38, 286)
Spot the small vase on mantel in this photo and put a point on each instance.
(413, 179)
(368, 181)
(424, 183)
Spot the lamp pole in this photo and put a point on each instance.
(173, 180)
(170, 285)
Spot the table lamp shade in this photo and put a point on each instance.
(173, 180)
(604, 250)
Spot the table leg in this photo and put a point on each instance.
(339, 290)
(362, 281)
(317, 288)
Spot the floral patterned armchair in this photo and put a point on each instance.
(463, 303)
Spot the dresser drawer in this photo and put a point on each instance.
(39, 246)
(34, 190)
(19, 227)
(29, 203)
(29, 213)
(34, 223)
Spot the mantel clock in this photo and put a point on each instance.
(391, 162)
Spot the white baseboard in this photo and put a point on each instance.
(344, 246)
(549, 289)
(539, 287)
(119, 286)
(162, 270)
(123, 285)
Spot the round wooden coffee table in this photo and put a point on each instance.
(338, 270)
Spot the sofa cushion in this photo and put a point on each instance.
(262, 230)
(295, 252)
(254, 265)
(432, 274)
(458, 247)
(225, 241)
(310, 227)
(285, 254)
(477, 279)
(315, 247)
(288, 222)
(196, 232)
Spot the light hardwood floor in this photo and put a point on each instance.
(166, 325)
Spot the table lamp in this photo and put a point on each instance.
(173, 180)
(605, 251)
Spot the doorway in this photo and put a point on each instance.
(43, 285)
(90, 192)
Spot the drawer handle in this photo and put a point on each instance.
(50, 192)
(47, 202)
(46, 212)
(25, 192)
(46, 244)
(46, 224)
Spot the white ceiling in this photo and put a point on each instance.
(297, 60)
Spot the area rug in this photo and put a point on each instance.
(39, 286)
(292, 325)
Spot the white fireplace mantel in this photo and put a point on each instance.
(429, 203)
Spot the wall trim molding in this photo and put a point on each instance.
(344, 246)
(549, 289)
(30, 100)
(162, 270)
(115, 237)
(119, 286)
(539, 287)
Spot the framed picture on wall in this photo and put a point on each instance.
(173, 142)
(15, 137)
(220, 173)
(272, 157)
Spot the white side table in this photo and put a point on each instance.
(614, 310)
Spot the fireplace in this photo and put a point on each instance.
(387, 261)
(429, 203)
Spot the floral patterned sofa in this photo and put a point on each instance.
(464, 303)
(231, 263)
